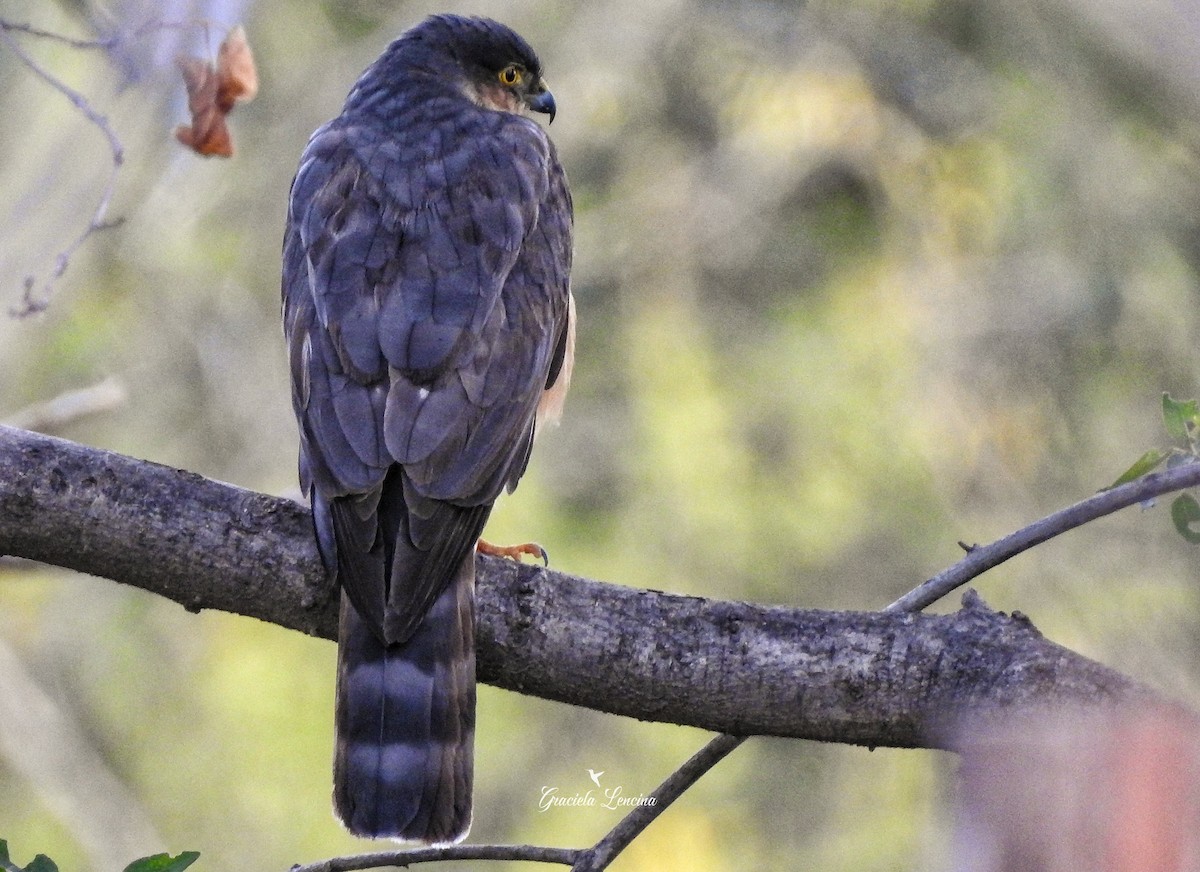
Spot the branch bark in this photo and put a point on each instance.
(875, 679)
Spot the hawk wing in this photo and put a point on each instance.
(425, 288)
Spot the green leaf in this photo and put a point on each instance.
(1182, 418)
(1148, 462)
(1185, 511)
(41, 863)
(4, 852)
(164, 862)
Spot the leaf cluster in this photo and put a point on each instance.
(153, 863)
(1182, 421)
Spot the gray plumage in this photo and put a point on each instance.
(426, 307)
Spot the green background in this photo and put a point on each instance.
(855, 281)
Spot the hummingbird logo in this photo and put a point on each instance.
(595, 776)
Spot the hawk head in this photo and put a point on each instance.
(485, 60)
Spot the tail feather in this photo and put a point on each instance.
(406, 722)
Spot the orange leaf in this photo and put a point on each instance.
(237, 78)
(210, 141)
(213, 92)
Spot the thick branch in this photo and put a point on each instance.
(865, 678)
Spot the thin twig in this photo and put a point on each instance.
(30, 30)
(104, 396)
(984, 557)
(31, 304)
(631, 826)
(117, 38)
(528, 853)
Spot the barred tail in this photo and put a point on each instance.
(405, 722)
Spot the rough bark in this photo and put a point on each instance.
(865, 678)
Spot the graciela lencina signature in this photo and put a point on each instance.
(599, 797)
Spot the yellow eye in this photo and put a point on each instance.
(510, 75)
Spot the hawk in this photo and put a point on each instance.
(430, 330)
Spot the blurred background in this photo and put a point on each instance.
(856, 280)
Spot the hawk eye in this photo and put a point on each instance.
(510, 75)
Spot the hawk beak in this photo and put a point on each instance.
(543, 101)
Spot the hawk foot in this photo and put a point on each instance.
(513, 552)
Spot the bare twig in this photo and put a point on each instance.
(31, 302)
(528, 853)
(981, 558)
(30, 30)
(118, 38)
(103, 396)
(631, 826)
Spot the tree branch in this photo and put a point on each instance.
(412, 856)
(863, 678)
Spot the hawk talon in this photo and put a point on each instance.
(513, 552)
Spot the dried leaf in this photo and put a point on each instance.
(207, 134)
(237, 78)
(214, 91)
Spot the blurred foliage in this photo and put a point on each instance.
(40, 863)
(856, 281)
(155, 863)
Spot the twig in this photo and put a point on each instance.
(528, 853)
(630, 827)
(109, 43)
(104, 396)
(31, 304)
(981, 558)
(30, 30)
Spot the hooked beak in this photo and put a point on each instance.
(543, 101)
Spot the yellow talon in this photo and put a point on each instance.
(513, 552)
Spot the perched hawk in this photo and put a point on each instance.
(429, 323)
